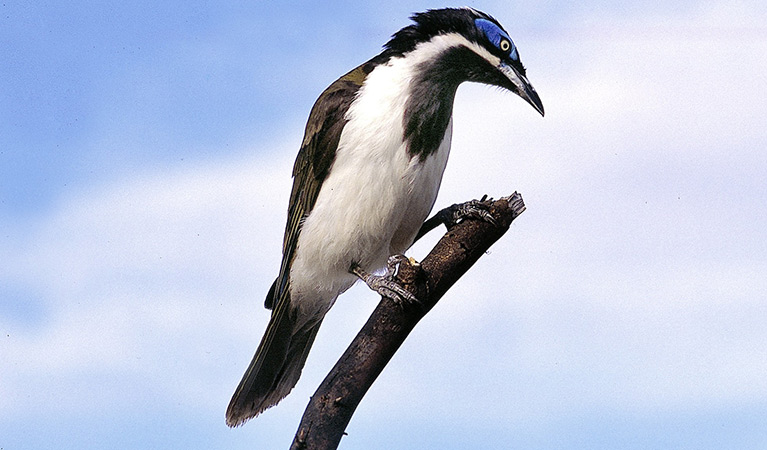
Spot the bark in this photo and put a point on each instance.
(332, 405)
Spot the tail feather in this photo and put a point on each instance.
(276, 366)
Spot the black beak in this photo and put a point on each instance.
(532, 97)
(523, 88)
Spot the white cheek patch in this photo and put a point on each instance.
(427, 51)
(482, 51)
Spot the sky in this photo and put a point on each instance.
(145, 159)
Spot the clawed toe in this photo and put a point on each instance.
(474, 209)
(386, 285)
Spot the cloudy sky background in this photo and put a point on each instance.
(145, 154)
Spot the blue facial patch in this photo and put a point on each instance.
(496, 36)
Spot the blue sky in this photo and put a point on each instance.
(145, 157)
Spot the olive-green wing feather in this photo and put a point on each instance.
(318, 150)
(281, 355)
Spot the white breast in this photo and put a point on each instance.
(375, 197)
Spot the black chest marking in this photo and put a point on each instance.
(430, 104)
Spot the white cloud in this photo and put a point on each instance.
(145, 278)
(633, 282)
(636, 265)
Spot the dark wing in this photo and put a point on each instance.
(318, 150)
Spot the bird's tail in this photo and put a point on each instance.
(276, 366)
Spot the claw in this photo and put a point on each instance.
(386, 285)
(473, 209)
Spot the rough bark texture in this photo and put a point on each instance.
(332, 405)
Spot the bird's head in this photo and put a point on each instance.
(462, 44)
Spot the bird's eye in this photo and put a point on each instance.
(504, 45)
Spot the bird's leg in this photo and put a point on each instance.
(452, 215)
(386, 285)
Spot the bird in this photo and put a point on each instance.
(366, 177)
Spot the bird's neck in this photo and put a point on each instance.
(428, 109)
(436, 69)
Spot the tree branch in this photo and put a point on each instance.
(332, 405)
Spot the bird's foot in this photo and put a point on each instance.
(455, 214)
(474, 209)
(385, 284)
